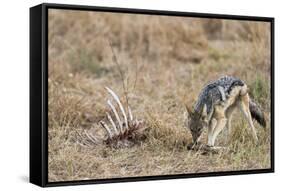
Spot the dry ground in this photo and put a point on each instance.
(165, 61)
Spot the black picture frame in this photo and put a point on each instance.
(39, 93)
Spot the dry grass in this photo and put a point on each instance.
(165, 61)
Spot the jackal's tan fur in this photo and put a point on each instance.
(221, 116)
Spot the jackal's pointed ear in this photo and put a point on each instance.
(189, 110)
(204, 111)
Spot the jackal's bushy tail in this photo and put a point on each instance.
(257, 114)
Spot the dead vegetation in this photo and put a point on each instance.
(164, 63)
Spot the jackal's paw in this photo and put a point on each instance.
(214, 149)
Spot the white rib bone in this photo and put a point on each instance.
(83, 142)
(116, 115)
(112, 123)
(130, 113)
(119, 104)
(104, 125)
(91, 135)
(93, 139)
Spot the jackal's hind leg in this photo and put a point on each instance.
(228, 127)
(244, 106)
(229, 113)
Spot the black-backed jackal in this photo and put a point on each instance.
(215, 105)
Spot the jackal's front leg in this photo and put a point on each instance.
(218, 128)
(211, 128)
